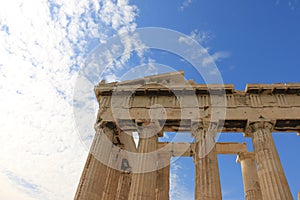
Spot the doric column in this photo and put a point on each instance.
(112, 174)
(94, 174)
(124, 182)
(250, 178)
(123, 186)
(271, 176)
(118, 179)
(163, 176)
(143, 183)
(207, 177)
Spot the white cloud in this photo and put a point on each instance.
(207, 58)
(185, 4)
(111, 78)
(178, 188)
(10, 191)
(202, 37)
(43, 44)
(217, 56)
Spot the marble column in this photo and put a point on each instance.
(271, 176)
(163, 176)
(143, 183)
(207, 177)
(250, 178)
(112, 174)
(94, 174)
(117, 184)
(125, 176)
(123, 186)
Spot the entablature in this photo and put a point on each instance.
(176, 102)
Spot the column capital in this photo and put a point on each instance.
(204, 127)
(204, 134)
(198, 131)
(102, 126)
(258, 125)
(245, 155)
(149, 129)
(196, 126)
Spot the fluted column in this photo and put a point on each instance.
(124, 181)
(118, 179)
(94, 173)
(123, 186)
(271, 176)
(250, 178)
(143, 184)
(163, 176)
(112, 174)
(207, 177)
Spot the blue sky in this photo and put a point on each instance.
(260, 41)
(262, 37)
(45, 43)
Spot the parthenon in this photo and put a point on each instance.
(118, 169)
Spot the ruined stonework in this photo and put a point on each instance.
(117, 169)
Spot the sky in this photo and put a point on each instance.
(46, 44)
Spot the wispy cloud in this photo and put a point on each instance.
(208, 57)
(179, 189)
(203, 37)
(291, 3)
(23, 185)
(217, 56)
(43, 45)
(185, 4)
(9, 190)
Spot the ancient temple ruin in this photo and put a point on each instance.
(118, 169)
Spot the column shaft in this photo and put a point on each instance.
(207, 177)
(112, 175)
(271, 176)
(94, 174)
(123, 186)
(143, 183)
(124, 181)
(250, 178)
(163, 176)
